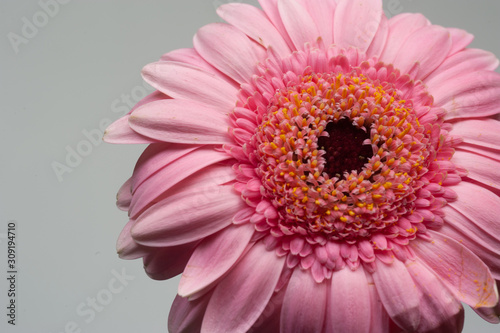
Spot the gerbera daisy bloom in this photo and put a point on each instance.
(315, 167)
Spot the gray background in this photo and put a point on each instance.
(73, 75)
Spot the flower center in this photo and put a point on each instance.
(345, 148)
(340, 156)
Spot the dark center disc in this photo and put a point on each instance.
(344, 148)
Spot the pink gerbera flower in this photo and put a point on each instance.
(317, 167)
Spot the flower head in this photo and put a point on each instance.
(317, 167)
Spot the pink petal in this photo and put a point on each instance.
(181, 121)
(478, 205)
(469, 60)
(240, 298)
(172, 174)
(349, 307)
(185, 81)
(378, 43)
(165, 263)
(481, 151)
(298, 23)
(190, 57)
(304, 305)
(400, 28)
(491, 315)
(480, 168)
(460, 39)
(186, 316)
(156, 157)
(126, 247)
(379, 319)
(356, 22)
(229, 50)
(269, 320)
(482, 133)
(473, 231)
(465, 231)
(120, 132)
(213, 257)
(440, 311)
(154, 96)
(124, 195)
(473, 95)
(255, 24)
(458, 268)
(188, 214)
(321, 13)
(428, 46)
(270, 7)
(397, 292)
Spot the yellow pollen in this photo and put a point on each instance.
(360, 121)
(350, 103)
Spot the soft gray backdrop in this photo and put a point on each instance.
(67, 70)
